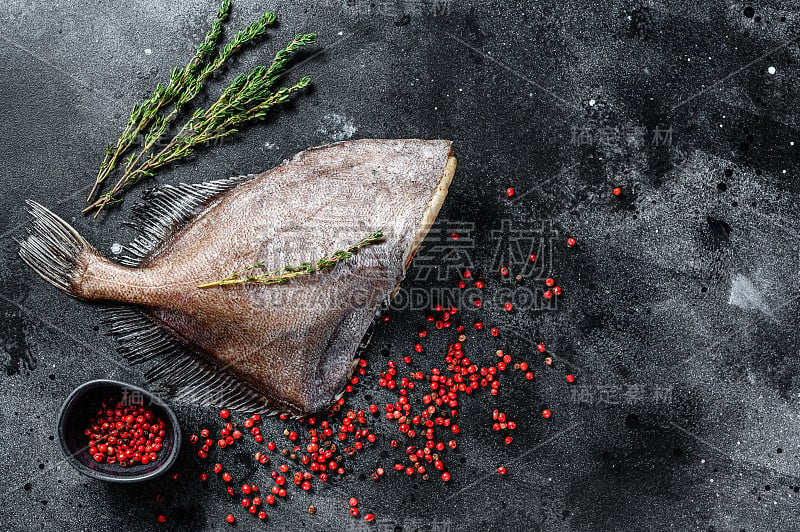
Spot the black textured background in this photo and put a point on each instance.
(684, 288)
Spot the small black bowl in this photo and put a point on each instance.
(82, 404)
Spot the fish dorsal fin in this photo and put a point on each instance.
(179, 371)
(165, 208)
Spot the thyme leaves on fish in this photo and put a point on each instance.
(257, 274)
(249, 97)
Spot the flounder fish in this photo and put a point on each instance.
(270, 348)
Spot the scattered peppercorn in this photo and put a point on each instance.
(345, 432)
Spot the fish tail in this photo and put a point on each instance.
(55, 250)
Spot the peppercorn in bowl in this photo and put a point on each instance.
(118, 432)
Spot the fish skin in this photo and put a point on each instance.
(294, 343)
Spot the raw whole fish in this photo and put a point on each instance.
(278, 348)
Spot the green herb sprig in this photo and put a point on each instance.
(143, 114)
(249, 97)
(251, 274)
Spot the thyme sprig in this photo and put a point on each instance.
(249, 97)
(143, 114)
(255, 274)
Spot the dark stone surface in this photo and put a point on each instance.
(680, 298)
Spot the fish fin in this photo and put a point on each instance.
(55, 250)
(179, 371)
(165, 208)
